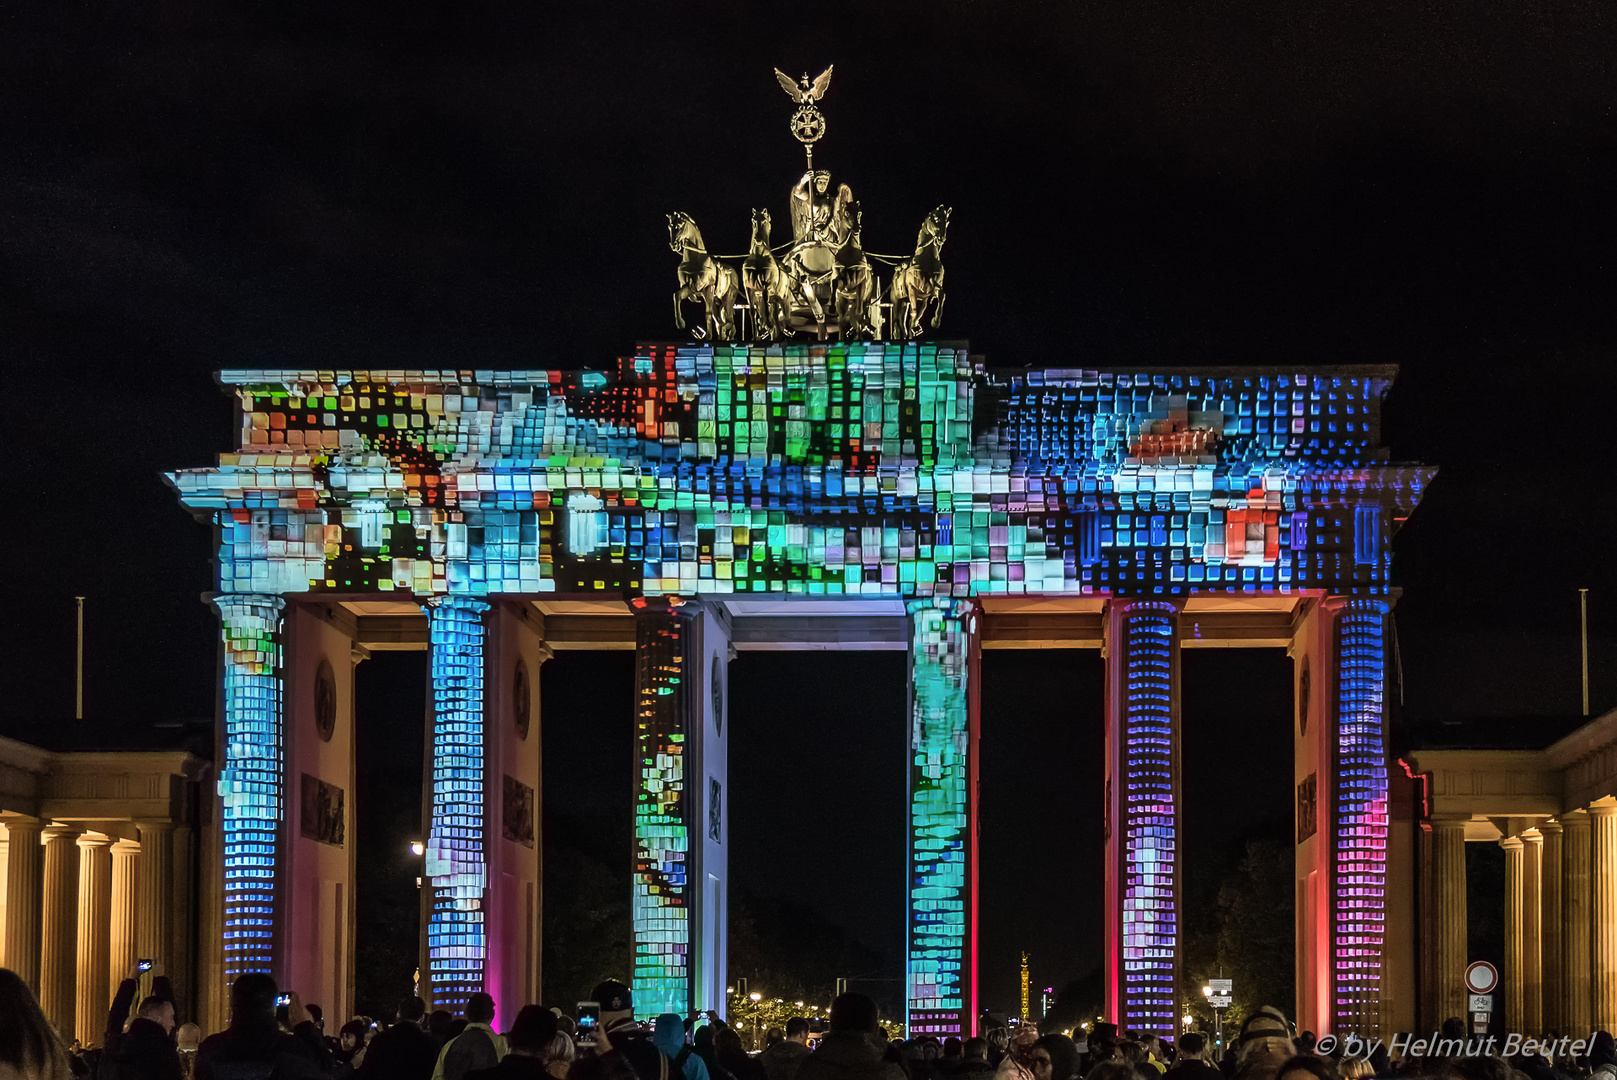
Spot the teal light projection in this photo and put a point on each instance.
(941, 973)
(662, 846)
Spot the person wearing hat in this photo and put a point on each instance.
(851, 1050)
(1264, 1045)
(1603, 1056)
(619, 1034)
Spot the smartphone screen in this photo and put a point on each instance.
(589, 1020)
(282, 1000)
(143, 966)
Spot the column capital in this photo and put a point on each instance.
(1575, 819)
(1531, 835)
(94, 840)
(23, 826)
(1448, 821)
(60, 832)
(127, 849)
(228, 604)
(154, 825)
(1603, 808)
(1550, 827)
(1511, 843)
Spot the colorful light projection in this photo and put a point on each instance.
(885, 469)
(456, 864)
(662, 848)
(1148, 828)
(251, 781)
(1359, 916)
(942, 965)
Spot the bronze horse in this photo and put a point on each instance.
(702, 279)
(856, 287)
(918, 280)
(768, 290)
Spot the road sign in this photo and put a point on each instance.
(1220, 1001)
(1481, 977)
(1222, 986)
(1482, 1003)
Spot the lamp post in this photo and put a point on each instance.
(755, 998)
(1218, 1018)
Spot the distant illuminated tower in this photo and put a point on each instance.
(1024, 987)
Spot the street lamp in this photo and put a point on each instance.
(417, 848)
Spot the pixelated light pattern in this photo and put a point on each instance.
(251, 782)
(1149, 827)
(662, 897)
(456, 856)
(942, 636)
(1359, 832)
(869, 469)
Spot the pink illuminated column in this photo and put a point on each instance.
(1142, 815)
(1342, 815)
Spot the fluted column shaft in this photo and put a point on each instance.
(155, 878)
(1603, 888)
(121, 954)
(25, 868)
(59, 927)
(95, 938)
(5, 857)
(1550, 905)
(1514, 984)
(1449, 917)
(1532, 931)
(1577, 1012)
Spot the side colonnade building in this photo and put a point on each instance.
(698, 500)
(98, 869)
(1554, 811)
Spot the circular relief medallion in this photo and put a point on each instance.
(1304, 686)
(325, 701)
(521, 702)
(718, 695)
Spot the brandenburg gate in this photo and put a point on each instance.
(701, 499)
(809, 472)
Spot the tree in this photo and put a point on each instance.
(1257, 938)
(586, 925)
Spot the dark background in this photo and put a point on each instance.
(186, 186)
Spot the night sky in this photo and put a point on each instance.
(186, 186)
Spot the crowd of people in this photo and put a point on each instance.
(273, 1036)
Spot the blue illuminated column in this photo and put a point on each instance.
(1359, 817)
(252, 782)
(1343, 816)
(456, 855)
(941, 971)
(1142, 814)
(681, 828)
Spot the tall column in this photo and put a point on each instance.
(679, 869)
(155, 881)
(1603, 881)
(5, 857)
(941, 976)
(1576, 1011)
(1359, 817)
(1550, 927)
(121, 954)
(1512, 978)
(456, 855)
(59, 924)
(25, 867)
(1532, 926)
(1142, 807)
(95, 928)
(1448, 918)
(252, 782)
